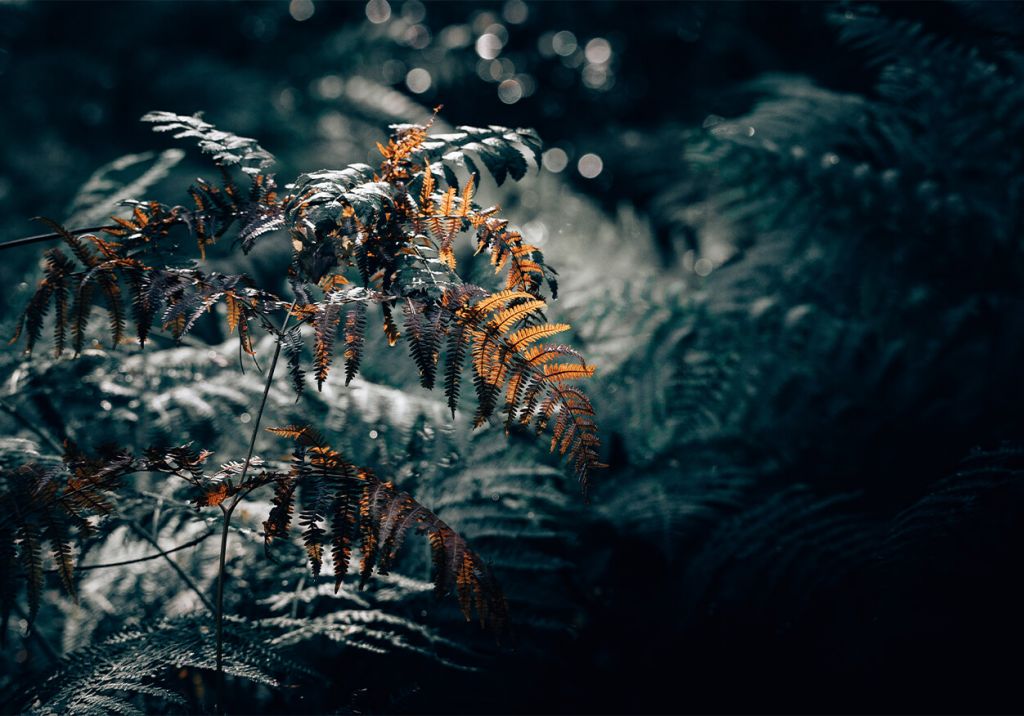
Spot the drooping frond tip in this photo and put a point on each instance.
(514, 369)
(40, 505)
(174, 298)
(349, 505)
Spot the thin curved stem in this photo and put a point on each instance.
(174, 565)
(266, 392)
(107, 565)
(234, 503)
(219, 610)
(39, 238)
(221, 569)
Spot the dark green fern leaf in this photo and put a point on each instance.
(292, 346)
(354, 334)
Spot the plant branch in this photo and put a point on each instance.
(185, 545)
(266, 392)
(174, 565)
(39, 238)
(234, 503)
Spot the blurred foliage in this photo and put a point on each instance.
(798, 271)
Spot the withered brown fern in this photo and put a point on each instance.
(364, 239)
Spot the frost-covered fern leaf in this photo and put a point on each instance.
(127, 673)
(502, 151)
(371, 630)
(227, 149)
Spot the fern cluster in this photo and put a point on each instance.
(394, 228)
(362, 238)
(813, 317)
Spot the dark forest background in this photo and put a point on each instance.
(789, 236)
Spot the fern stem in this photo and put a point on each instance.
(219, 611)
(263, 402)
(174, 565)
(38, 238)
(234, 503)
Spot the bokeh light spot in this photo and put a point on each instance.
(488, 46)
(595, 77)
(378, 11)
(515, 12)
(703, 267)
(546, 44)
(527, 83)
(393, 71)
(598, 51)
(510, 91)
(417, 37)
(590, 165)
(456, 36)
(329, 87)
(418, 80)
(564, 43)
(555, 160)
(499, 31)
(301, 10)
(483, 20)
(413, 11)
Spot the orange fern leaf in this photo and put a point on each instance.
(379, 516)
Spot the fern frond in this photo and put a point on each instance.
(291, 344)
(383, 518)
(279, 521)
(531, 334)
(325, 325)
(354, 334)
(792, 544)
(499, 333)
(503, 151)
(227, 149)
(107, 678)
(51, 504)
(31, 552)
(424, 330)
(455, 357)
(57, 534)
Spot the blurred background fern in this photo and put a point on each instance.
(789, 236)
